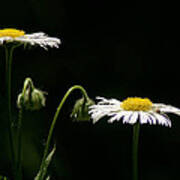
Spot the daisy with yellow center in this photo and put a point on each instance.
(132, 110)
(15, 38)
(9, 35)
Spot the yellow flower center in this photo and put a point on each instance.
(136, 104)
(11, 33)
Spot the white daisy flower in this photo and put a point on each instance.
(41, 39)
(133, 110)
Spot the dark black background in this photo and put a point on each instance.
(113, 49)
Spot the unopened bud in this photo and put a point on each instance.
(31, 98)
(80, 110)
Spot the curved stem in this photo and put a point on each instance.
(28, 82)
(136, 128)
(56, 116)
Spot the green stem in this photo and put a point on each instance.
(8, 86)
(19, 139)
(136, 129)
(28, 82)
(19, 131)
(55, 119)
(9, 55)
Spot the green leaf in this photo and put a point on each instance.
(43, 169)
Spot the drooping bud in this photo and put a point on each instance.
(31, 98)
(81, 108)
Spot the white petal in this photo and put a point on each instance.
(35, 35)
(167, 108)
(116, 116)
(98, 115)
(146, 118)
(101, 98)
(39, 39)
(105, 108)
(162, 119)
(143, 118)
(4, 39)
(108, 101)
(127, 115)
(133, 118)
(152, 118)
(97, 112)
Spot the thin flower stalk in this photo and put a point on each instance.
(136, 128)
(46, 150)
(19, 145)
(9, 53)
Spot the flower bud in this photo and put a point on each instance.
(81, 108)
(31, 98)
